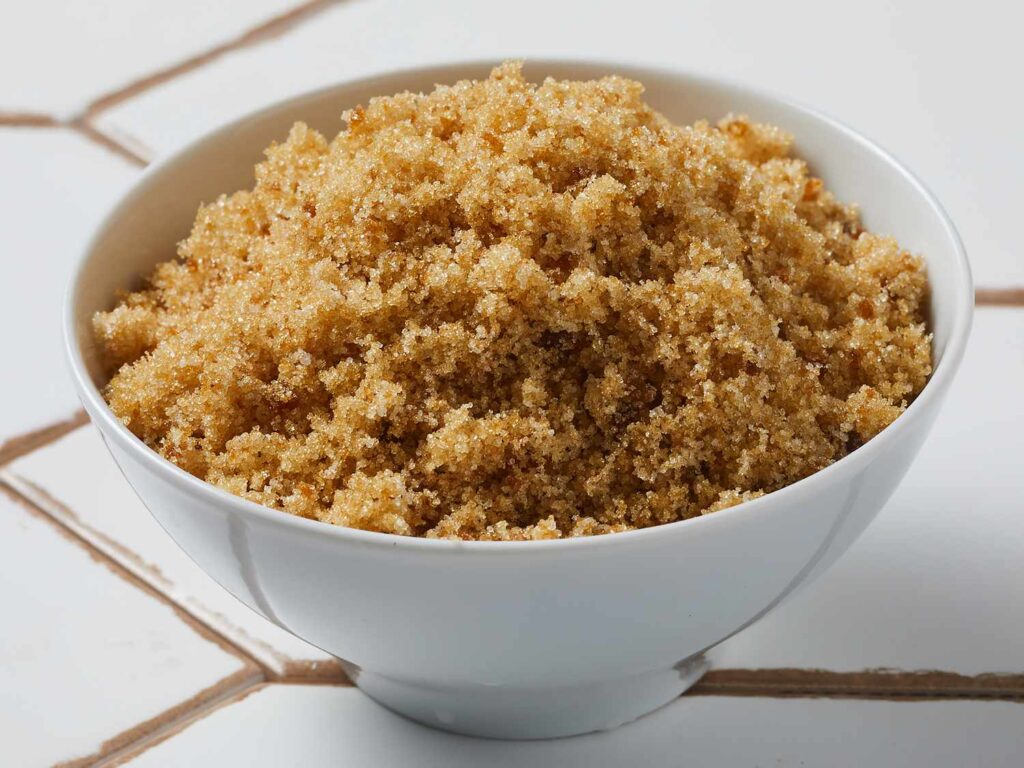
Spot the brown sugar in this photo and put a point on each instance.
(513, 311)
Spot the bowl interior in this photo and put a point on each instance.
(158, 212)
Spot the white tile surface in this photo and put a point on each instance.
(317, 726)
(886, 68)
(84, 654)
(77, 481)
(935, 582)
(59, 55)
(54, 188)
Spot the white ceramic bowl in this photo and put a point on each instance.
(522, 639)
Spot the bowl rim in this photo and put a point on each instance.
(928, 399)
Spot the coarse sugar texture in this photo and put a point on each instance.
(513, 311)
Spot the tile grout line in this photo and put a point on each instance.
(327, 671)
(121, 140)
(851, 694)
(173, 727)
(869, 683)
(135, 750)
(252, 672)
(83, 128)
(700, 689)
(83, 123)
(824, 684)
(199, 625)
(262, 32)
(86, 129)
(266, 30)
(27, 442)
(132, 751)
(207, 700)
(27, 120)
(999, 297)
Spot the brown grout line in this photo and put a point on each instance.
(999, 297)
(58, 510)
(137, 749)
(701, 689)
(83, 123)
(250, 673)
(326, 671)
(871, 683)
(901, 696)
(267, 30)
(309, 672)
(27, 120)
(125, 140)
(192, 708)
(17, 446)
(82, 127)
(93, 134)
(68, 529)
(882, 684)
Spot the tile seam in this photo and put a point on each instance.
(768, 690)
(266, 30)
(1012, 296)
(852, 693)
(307, 670)
(27, 120)
(251, 673)
(25, 443)
(869, 682)
(206, 700)
(83, 123)
(196, 624)
(139, 748)
(87, 130)
(301, 672)
(832, 686)
(83, 128)
(132, 751)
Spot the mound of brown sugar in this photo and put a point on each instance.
(508, 311)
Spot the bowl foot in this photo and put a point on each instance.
(500, 712)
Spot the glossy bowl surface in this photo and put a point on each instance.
(521, 639)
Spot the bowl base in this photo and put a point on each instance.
(500, 712)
